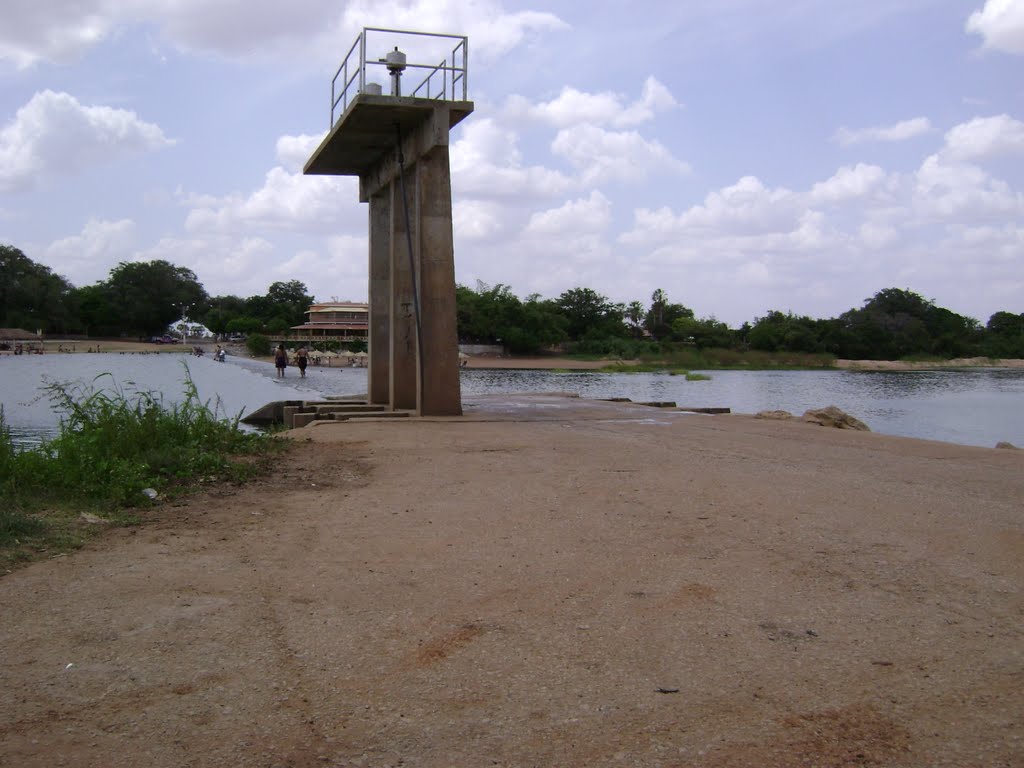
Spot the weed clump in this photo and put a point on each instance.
(112, 446)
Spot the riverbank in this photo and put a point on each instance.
(535, 362)
(929, 365)
(547, 581)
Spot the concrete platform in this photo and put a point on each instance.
(365, 132)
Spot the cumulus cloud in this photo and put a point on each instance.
(949, 225)
(286, 201)
(901, 131)
(225, 265)
(477, 220)
(302, 32)
(486, 163)
(587, 215)
(55, 134)
(1000, 24)
(849, 183)
(985, 138)
(744, 208)
(54, 31)
(573, 107)
(947, 190)
(600, 155)
(341, 264)
(90, 255)
(294, 151)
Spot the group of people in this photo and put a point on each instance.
(281, 360)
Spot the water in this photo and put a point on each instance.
(232, 388)
(972, 407)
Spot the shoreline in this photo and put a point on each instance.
(530, 362)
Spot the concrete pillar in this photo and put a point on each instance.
(404, 372)
(440, 393)
(378, 372)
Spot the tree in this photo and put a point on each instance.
(290, 301)
(706, 333)
(779, 332)
(895, 323)
(662, 314)
(219, 311)
(588, 314)
(243, 324)
(1004, 335)
(97, 312)
(151, 295)
(635, 316)
(31, 296)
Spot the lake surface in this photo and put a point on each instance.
(971, 407)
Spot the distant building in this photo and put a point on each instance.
(336, 321)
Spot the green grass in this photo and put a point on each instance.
(749, 360)
(686, 358)
(652, 367)
(111, 447)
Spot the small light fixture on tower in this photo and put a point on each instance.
(395, 62)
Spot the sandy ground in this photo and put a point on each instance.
(544, 582)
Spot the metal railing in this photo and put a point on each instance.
(350, 78)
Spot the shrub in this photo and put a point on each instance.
(258, 345)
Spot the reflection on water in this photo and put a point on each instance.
(973, 407)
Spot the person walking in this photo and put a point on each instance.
(280, 360)
(302, 359)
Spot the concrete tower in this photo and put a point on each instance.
(398, 147)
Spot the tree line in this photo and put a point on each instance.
(143, 298)
(138, 299)
(892, 324)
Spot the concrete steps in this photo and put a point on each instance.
(294, 416)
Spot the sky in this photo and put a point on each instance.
(741, 155)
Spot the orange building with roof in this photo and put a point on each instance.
(334, 321)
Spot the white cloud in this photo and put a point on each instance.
(849, 184)
(57, 31)
(88, 257)
(573, 107)
(286, 201)
(586, 215)
(1001, 25)
(985, 138)
(746, 207)
(477, 220)
(301, 32)
(225, 265)
(55, 134)
(486, 163)
(600, 155)
(946, 189)
(901, 131)
(875, 235)
(340, 268)
(294, 151)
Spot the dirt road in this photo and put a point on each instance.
(543, 583)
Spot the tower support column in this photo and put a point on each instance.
(379, 333)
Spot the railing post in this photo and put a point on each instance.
(362, 61)
(465, 70)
